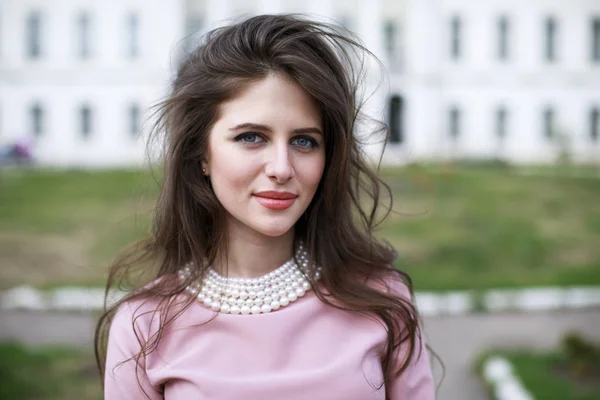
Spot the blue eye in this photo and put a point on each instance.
(249, 137)
(305, 142)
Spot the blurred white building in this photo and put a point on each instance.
(80, 74)
(467, 79)
(518, 80)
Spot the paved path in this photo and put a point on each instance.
(456, 339)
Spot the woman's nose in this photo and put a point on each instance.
(279, 164)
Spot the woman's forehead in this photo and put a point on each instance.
(270, 101)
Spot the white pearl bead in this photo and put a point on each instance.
(276, 289)
(265, 308)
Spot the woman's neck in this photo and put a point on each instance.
(250, 255)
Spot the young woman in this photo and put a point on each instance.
(266, 281)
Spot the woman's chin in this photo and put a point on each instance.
(274, 230)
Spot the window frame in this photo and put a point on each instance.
(33, 35)
(134, 114)
(396, 111)
(501, 122)
(503, 31)
(454, 122)
(550, 39)
(86, 122)
(84, 27)
(549, 122)
(456, 38)
(132, 31)
(594, 132)
(36, 113)
(595, 39)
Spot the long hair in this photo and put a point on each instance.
(337, 227)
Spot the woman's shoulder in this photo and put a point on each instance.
(391, 282)
(145, 307)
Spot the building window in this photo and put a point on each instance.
(37, 120)
(454, 122)
(193, 33)
(550, 35)
(132, 42)
(501, 117)
(595, 124)
(134, 120)
(85, 121)
(395, 120)
(34, 35)
(389, 30)
(503, 36)
(83, 36)
(455, 38)
(596, 39)
(549, 123)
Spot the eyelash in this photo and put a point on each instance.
(312, 141)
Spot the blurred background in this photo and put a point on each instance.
(493, 159)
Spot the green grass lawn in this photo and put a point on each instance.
(545, 376)
(455, 228)
(47, 373)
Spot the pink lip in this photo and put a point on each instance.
(275, 200)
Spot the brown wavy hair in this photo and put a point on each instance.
(337, 228)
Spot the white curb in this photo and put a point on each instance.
(498, 372)
(428, 303)
(23, 297)
(63, 299)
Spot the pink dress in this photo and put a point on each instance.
(306, 350)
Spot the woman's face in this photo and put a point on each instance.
(266, 156)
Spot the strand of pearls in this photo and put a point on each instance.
(270, 292)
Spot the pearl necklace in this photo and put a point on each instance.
(267, 293)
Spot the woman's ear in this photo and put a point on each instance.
(205, 168)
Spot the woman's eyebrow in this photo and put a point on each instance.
(265, 128)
